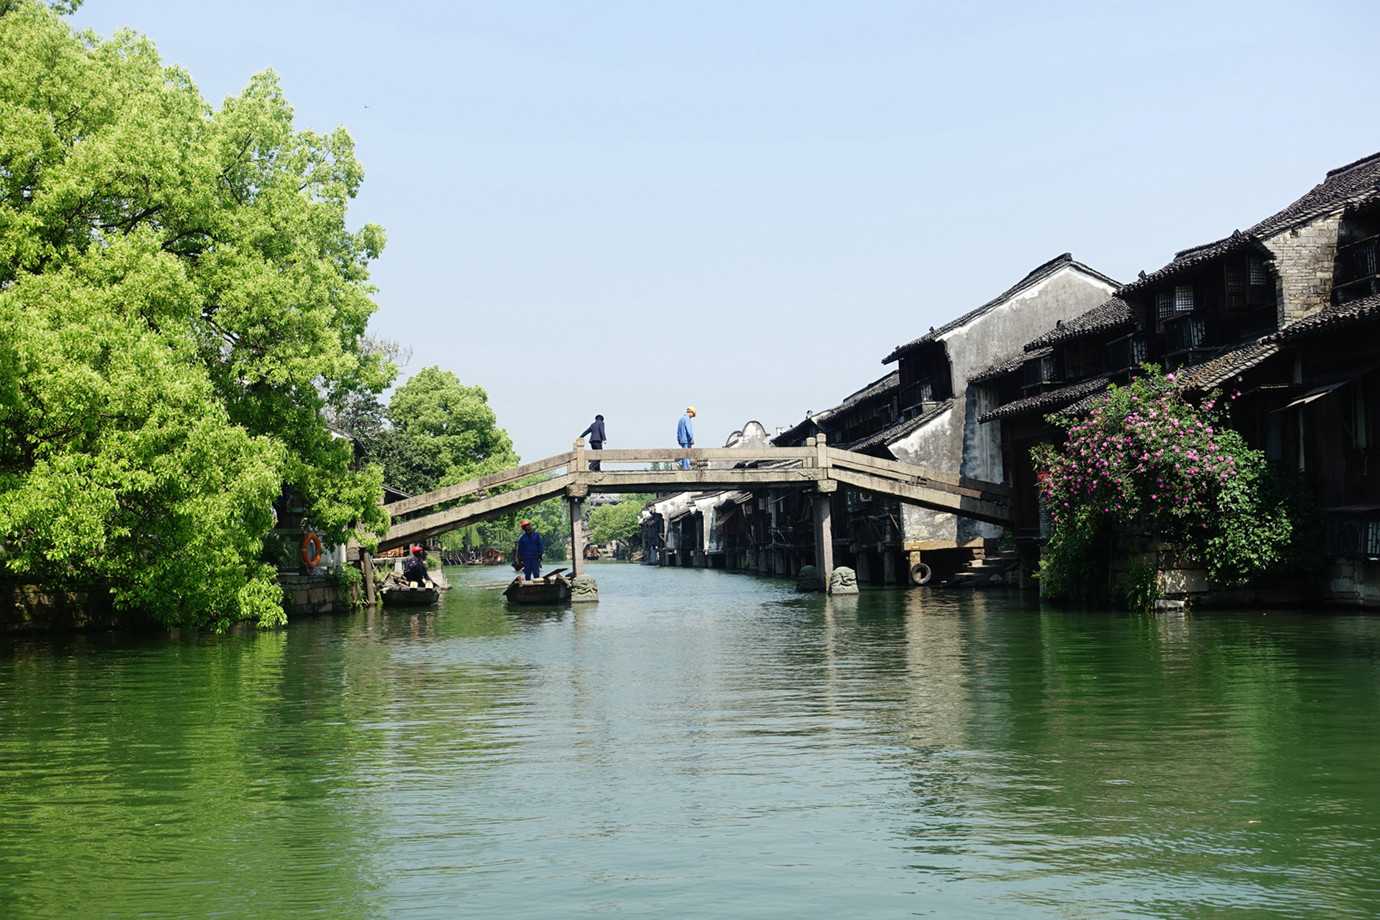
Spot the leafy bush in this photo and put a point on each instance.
(1147, 462)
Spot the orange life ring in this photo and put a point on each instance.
(310, 550)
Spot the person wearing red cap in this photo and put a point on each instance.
(414, 569)
(530, 551)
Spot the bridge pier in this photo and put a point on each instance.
(823, 512)
(576, 505)
(824, 538)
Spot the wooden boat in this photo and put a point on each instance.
(401, 594)
(553, 589)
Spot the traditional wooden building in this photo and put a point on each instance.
(924, 413)
(1284, 315)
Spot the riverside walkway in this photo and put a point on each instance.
(816, 467)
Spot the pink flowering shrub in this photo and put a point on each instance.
(1147, 462)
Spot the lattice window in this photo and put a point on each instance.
(1237, 281)
(1183, 298)
(1164, 304)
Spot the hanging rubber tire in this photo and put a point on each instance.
(920, 574)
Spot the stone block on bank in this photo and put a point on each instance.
(843, 581)
(583, 588)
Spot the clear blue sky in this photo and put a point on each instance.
(625, 207)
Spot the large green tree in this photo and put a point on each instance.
(441, 432)
(179, 298)
(621, 521)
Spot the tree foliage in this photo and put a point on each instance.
(179, 297)
(441, 432)
(621, 521)
(1147, 462)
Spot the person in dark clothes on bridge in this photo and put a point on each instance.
(414, 569)
(529, 552)
(596, 438)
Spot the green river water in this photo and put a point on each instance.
(700, 744)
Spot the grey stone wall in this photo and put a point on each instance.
(1304, 258)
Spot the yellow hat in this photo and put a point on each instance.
(690, 409)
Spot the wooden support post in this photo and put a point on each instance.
(577, 532)
(366, 565)
(824, 538)
(889, 567)
(578, 464)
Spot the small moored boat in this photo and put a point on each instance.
(395, 595)
(553, 589)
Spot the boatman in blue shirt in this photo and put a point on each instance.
(530, 551)
(685, 434)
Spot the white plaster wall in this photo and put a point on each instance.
(954, 442)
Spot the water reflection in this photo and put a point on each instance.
(699, 743)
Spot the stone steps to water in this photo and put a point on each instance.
(986, 569)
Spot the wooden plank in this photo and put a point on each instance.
(847, 458)
(937, 499)
(695, 480)
(470, 487)
(735, 454)
(421, 528)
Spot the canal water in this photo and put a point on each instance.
(700, 744)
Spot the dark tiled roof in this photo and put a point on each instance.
(1083, 406)
(1350, 184)
(1106, 316)
(901, 429)
(1009, 365)
(1218, 370)
(1191, 258)
(1330, 317)
(1039, 274)
(876, 388)
(795, 432)
(1048, 402)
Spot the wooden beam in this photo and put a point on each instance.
(928, 497)
(483, 483)
(917, 474)
(421, 528)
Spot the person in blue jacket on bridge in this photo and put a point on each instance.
(529, 552)
(685, 434)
